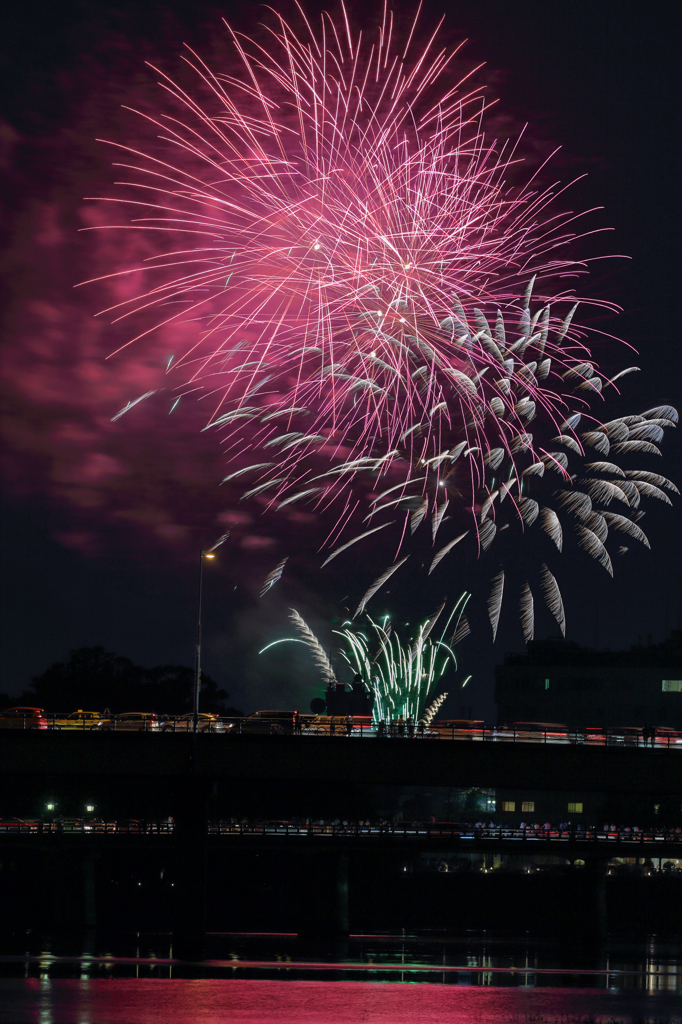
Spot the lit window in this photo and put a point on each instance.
(528, 805)
(547, 684)
(509, 805)
(575, 808)
(671, 685)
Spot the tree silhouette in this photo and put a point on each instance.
(93, 678)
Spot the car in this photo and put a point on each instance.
(63, 824)
(131, 721)
(163, 826)
(185, 723)
(321, 725)
(667, 737)
(20, 825)
(458, 728)
(594, 735)
(267, 722)
(83, 720)
(624, 735)
(23, 718)
(98, 825)
(540, 732)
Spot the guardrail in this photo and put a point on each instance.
(445, 830)
(455, 832)
(339, 728)
(85, 826)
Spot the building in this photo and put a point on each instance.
(558, 681)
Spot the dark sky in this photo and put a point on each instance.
(102, 525)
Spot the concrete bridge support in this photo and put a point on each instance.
(586, 913)
(68, 890)
(89, 892)
(190, 843)
(323, 894)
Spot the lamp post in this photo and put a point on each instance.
(210, 554)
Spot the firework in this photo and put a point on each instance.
(433, 709)
(401, 675)
(387, 324)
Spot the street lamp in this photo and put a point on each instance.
(210, 554)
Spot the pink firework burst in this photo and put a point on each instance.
(378, 313)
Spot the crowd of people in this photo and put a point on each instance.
(455, 827)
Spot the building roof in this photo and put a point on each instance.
(558, 651)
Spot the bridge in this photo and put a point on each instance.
(75, 758)
(196, 779)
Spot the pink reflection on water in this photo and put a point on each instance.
(137, 1001)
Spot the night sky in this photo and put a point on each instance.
(102, 523)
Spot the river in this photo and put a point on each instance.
(387, 979)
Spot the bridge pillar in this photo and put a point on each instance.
(190, 836)
(596, 879)
(69, 890)
(586, 915)
(323, 895)
(89, 892)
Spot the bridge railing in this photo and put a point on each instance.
(86, 826)
(358, 727)
(458, 832)
(453, 831)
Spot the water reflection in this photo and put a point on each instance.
(478, 959)
(214, 1001)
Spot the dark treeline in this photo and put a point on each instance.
(93, 679)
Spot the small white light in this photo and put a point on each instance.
(373, 354)
(316, 246)
(50, 807)
(89, 808)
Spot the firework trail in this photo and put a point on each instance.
(273, 577)
(307, 637)
(319, 653)
(381, 315)
(433, 709)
